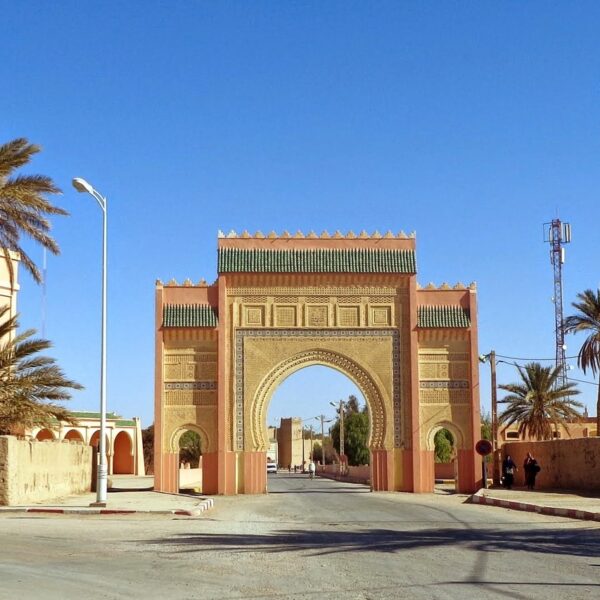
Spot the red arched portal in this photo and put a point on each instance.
(44, 434)
(74, 435)
(123, 458)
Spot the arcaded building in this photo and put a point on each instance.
(284, 302)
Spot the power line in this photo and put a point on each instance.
(582, 381)
(521, 358)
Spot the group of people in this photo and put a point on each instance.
(531, 468)
(312, 468)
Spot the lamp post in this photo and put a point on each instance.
(491, 358)
(81, 185)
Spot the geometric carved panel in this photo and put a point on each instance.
(317, 316)
(285, 316)
(381, 316)
(348, 316)
(254, 316)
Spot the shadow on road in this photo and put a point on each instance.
(548, 541)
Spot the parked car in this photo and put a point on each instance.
(271, 467)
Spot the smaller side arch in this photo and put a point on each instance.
(123, 454)
(457, 434)
(177, 433)
(73, 435)
(45, 434)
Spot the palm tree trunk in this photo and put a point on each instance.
(598, 410)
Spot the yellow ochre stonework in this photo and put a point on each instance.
(282, 303)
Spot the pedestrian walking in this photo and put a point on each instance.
(508, 472)
(531, 468)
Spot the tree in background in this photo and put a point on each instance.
(356, 432)
(486, 426)
(23, 206)
(539, 403)
(148, 446)
(444, 446)
(190, 449)
(588, 321)
(29, 384)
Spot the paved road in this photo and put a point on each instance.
(307, 539)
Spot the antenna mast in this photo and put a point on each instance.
(556, 234)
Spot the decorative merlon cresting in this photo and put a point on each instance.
(324, 235)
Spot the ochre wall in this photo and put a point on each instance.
(32, 471)
(565, 464)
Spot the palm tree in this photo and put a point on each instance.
(29, 384)
(539, 401)
(588, 320)
(23, 207)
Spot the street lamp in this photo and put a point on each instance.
(81, 185)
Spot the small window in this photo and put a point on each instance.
(512, 435)
(556, 434)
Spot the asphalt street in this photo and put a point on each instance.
(306, 539)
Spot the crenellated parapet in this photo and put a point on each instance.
(186, 283)
(447, 286)
(324, 235)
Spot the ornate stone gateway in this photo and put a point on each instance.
(281, 303)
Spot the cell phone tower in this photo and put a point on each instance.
(556, 234)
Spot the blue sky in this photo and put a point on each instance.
(470, 123)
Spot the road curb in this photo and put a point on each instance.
(202, 506)
(571, 513)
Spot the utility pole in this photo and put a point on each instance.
(323, 421)
(556, 234)
(491, 357)
(340, 409)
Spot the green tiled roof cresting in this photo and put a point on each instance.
(189, 315)
(318, 260)
(443, 316)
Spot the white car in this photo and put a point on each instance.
(271, 467)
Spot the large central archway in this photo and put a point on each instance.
(313, 357)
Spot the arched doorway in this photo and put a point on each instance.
(45, 434)
(444, 457)
(294, 418)
(188, 443)
(123, 455)
(444, 461)
(73, 435)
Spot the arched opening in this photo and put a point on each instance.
(45, 434)
(443, 466)
(73, 435)
(190, 460)
(123, 455)
(444, 461)
(304, 425)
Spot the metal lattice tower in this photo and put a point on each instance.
(557, 234)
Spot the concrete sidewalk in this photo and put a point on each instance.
(559, 503)
(128, 495)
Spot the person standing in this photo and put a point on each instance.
(311, 469)
(531, 468)
(508, 472)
